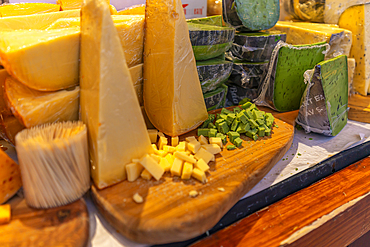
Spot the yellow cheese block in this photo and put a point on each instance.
(109, 105)
(130, 31)
(10, 177)
(32, 107)
(300, 33)
(133, 10)
(39, 21)
(357, 19)
(5, 213)
(173, 98)
(27, 9)
(42, 60)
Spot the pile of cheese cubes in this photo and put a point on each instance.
(184, 159)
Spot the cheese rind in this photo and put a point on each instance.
(108, 97)
(173, 97)
(10, 177)
(357, 19)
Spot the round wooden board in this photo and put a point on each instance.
(359, 108)
(169, 214)
(62, 226)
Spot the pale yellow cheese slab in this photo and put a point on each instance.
(109, 105)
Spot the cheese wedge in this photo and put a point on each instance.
(130, 30)
(357, 19)
(9, 128)
(27, 9)
(32, 107)
(10, 177)
(4, 110)
(109, 105)
(42, 60)
(173, 98)
(300, 33)
(133, 10)
(39, 21)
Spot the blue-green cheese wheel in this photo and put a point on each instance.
(251, 15)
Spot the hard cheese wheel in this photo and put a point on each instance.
(250, 15)
(325, 100)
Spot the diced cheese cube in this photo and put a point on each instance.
(169, 149)
(162, 141)
(146, 175)
(185, 157)
(152, 166)
(199, 175)
(165, 164)
(176, 168)
(203, 140)
(216, 140)
(204, 154)
(5, 213)
(181, 147)
(156, 157)
(174, 141)
(212, 148)
(170, 158)
(202, 165)
(193, 146)
(161, 153)
(154, 147)
(190, 138)
(133, 171)
(135, 160)
(187, 170)
(153, 133)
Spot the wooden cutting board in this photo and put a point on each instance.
(62, 226)
(359, 108)
(169, 214)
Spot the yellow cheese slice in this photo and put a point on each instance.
(39, 21)
(357, 19)
(32, 107)
(10, 177)
(42, 60)
(109, 105)
(130, 31)
(27, 9)
(173, 98)
(300, 33)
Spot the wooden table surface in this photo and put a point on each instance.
(332, 212)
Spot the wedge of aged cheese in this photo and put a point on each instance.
(357, 19)
(27, 9)
(42, 60)
(39, 21)
(300, 33)
(173, 97)
(32, 107)
(133, 10)
(9, 128)
(109, 105)
(4, 110)
(130, 30)
(10, 177)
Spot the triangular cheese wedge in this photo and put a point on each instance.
(109, 105)
(173, 97)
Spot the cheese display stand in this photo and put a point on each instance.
(140, 127)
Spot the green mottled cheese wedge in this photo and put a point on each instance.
(325, 100)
